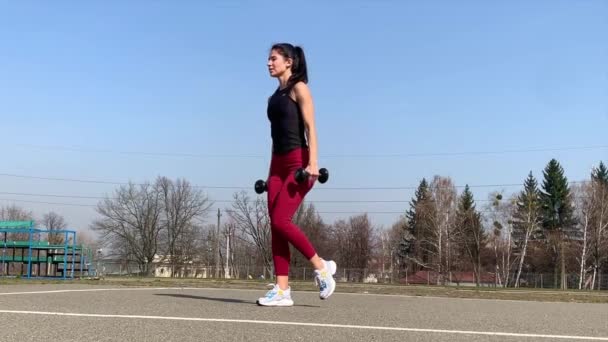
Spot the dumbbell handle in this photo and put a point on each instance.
(301, 174)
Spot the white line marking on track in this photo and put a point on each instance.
(322, 325)
(90, 290)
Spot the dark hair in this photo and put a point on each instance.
(298, 69)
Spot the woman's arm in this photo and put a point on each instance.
(304, 99)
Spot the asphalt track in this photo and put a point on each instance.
(60, 313)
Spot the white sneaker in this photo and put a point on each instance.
(325, 280)
(276, 297)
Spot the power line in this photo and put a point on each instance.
(349, 212)
(143, 153)
(447, 154)
(212, 200)
(366, 211)
(224, 200)
(346, 212)
(62, 179)
(51, 195)
(250, 187)
(105, 182)
(227, 210)
(329, 155)
(50, 203)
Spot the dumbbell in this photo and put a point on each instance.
(301, 175)
(260, 186)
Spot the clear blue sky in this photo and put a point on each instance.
(402, 91)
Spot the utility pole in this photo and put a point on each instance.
(227, 272)
(217, 246)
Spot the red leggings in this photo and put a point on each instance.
(284, 198)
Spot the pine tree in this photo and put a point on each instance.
(421, 194)
(600, 174)
(527, 220)
(470, 229)
(558, 212)
(414, 243)
(528, 204)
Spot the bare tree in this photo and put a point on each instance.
(397, 237)
(132, 220)
(16, 213)
(253, 220)
(498, 222)
(240, 255)
(85, 238)
(54, 222)
(182, 207)
(583, 210)
(362, 235)
(353, 241)
(207, 243)
(388, 252)
(527, 221)
(596, 199)
(443, 227)
(340, 237)
(188, 249)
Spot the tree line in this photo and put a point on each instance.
(556, 227)
(549, 226)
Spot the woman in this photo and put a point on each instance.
(294, 145)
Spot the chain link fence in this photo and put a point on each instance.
(114, 268)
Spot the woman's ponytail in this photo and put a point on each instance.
(299, 71)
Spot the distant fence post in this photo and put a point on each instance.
(541, 281)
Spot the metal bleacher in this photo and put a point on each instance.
(26, 252)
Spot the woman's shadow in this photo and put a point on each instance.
(223, 300)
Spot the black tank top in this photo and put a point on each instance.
(286, 122)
